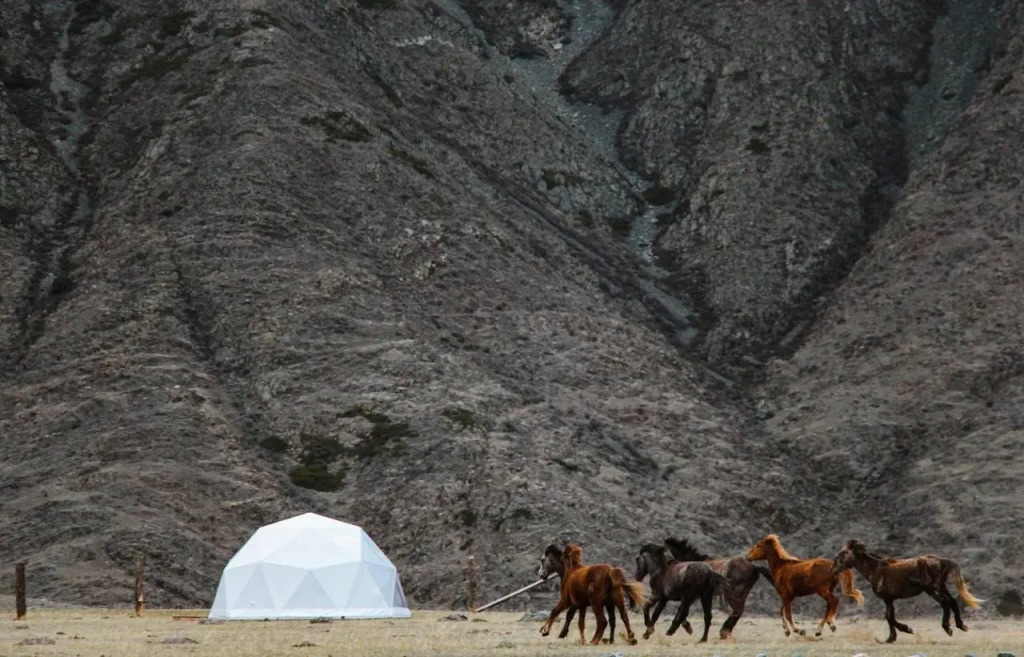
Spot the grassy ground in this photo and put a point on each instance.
(116, 633)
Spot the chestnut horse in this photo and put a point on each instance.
(741, 575)
(591, 586)
(893, 579)
(551, 564)
(795, 578)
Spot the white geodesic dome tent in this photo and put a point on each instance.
(309, 566)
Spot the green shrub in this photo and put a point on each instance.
(316, 477)
(275, 444)
(467, 517)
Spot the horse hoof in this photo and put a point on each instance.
(802, 632)
(704, 640)
(607, 640)
(832, 627)
(963, 628)
(786, 631)
(948, 630)
(891, 639)
(688, 628)
(818, 633)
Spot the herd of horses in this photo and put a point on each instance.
(677, 571)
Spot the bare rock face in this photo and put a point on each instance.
(771, 138)
(360, 257)
(907, 395)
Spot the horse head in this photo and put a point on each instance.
(550, 562)
(847, 557)
(650, 560)
(760, 549)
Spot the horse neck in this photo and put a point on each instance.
(870, 567)
(774, 558)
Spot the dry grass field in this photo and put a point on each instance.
(116, 633)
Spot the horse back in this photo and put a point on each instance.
(805, 577)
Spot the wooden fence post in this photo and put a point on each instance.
(19, 590)
(471, 584)
(140, 585)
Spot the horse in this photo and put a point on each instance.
(894, 579)
(676, 580)
(597, 586)
(795, 578)
(741, 575)
(550, 564)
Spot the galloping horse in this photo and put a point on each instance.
(590, 586)
(795, 578)
(676, 580)
(740, 575)
(893, 579)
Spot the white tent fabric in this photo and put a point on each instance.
(309, 566)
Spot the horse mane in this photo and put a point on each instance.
(650, 547)
(779, 550)
(684, 550)
(859, 546)
(572, 557)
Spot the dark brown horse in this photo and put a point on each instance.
(894, 579)
(795, 578)
(740, 575)
(684, 581)
(590, 586)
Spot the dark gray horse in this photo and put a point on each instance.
(684, 581)
(741, 575)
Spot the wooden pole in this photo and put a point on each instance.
(19, 590)
(140, 585)
(471, 584)
(512, 594)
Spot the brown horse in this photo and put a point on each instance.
(795, 578)
(740, 575)
(591, 586)
(551, 564)
(684, 581)
(894, 579)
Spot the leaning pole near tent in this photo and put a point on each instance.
(511, 595)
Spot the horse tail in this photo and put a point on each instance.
(719, 580)
(765, 573)
(961, 585)
(849, 590)
(632, 589)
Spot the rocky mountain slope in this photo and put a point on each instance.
(482, 275)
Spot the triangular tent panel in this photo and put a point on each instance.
(309, 566)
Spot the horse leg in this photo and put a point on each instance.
(902, 627)
(602, 622)
(649, 621)
(568, 621)
(954, 605)
(707, 600)
(621, 604)
(944, 603)
(582, 624)
(560, 606)
(609, 612)
(736, 605)
(681, 614)
(787, 606)
(831, 605)
(890, 617)
(785, 623)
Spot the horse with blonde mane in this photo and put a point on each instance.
(591, 586)
(796, 578)
(893, 579)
